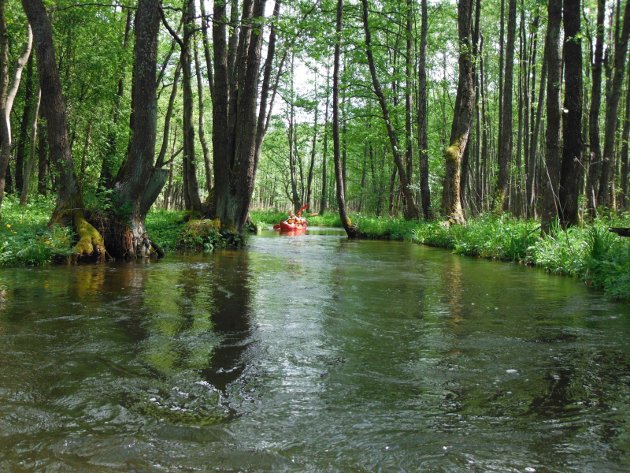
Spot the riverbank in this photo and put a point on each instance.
(589, 253)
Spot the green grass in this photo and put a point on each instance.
(25, 238)
(165, 228)
(590, 253)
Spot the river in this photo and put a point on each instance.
(311, 353)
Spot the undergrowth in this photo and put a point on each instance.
(590, 253)
(25, 238)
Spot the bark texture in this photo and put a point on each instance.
(462, 117)
(551, 175)
(69, 208)
(138, 183)
(423, 139)
(572, 119)
(505, 144)
(341, 199)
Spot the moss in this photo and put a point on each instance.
(452, 152)
(90, 240)
(198, 233)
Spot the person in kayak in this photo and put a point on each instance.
(292, 219)
(299, 220)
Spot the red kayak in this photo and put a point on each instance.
(292, 227)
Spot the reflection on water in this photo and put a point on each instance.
(311, 353)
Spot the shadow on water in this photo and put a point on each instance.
(231, 320)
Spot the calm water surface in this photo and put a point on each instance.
(311, 353)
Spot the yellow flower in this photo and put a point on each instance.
(47, 242)
(8, 226)
(15, 233)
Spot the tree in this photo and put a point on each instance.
(593, 120)
(236, 132)
(423, 139)
(505, 143)
(350, 229)
(572, 119)
(7, 94)
(462, 117)
(554, 66)
(411, 210)
(138, 183)
(612, 108)
(70, 207)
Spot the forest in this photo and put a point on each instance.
(408, 111)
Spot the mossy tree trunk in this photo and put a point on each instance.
(462, 117)
(69, 208)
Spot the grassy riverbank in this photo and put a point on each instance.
(589, 253)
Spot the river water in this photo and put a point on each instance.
(311, 353)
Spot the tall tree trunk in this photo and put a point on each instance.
(291, 131)
(309, 190)
(237, 165)
(594, 169)
(138, 183)
(572, 119)
(411, 210)
(323, 200)
(612, 108)
(7, 94)
(552, 172)
(625, 136)
(33, 142)
(69, 208)
(108, 172)
(206, 47)
(160, 162)
(501, 77)
(190, 166)
(24, 125)
(202, 120)
(42, 155)
(505, 144)
(423, 140)
(462, 117)
(351, 230)
(408, 96)
(533, 149)
(485, 130)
